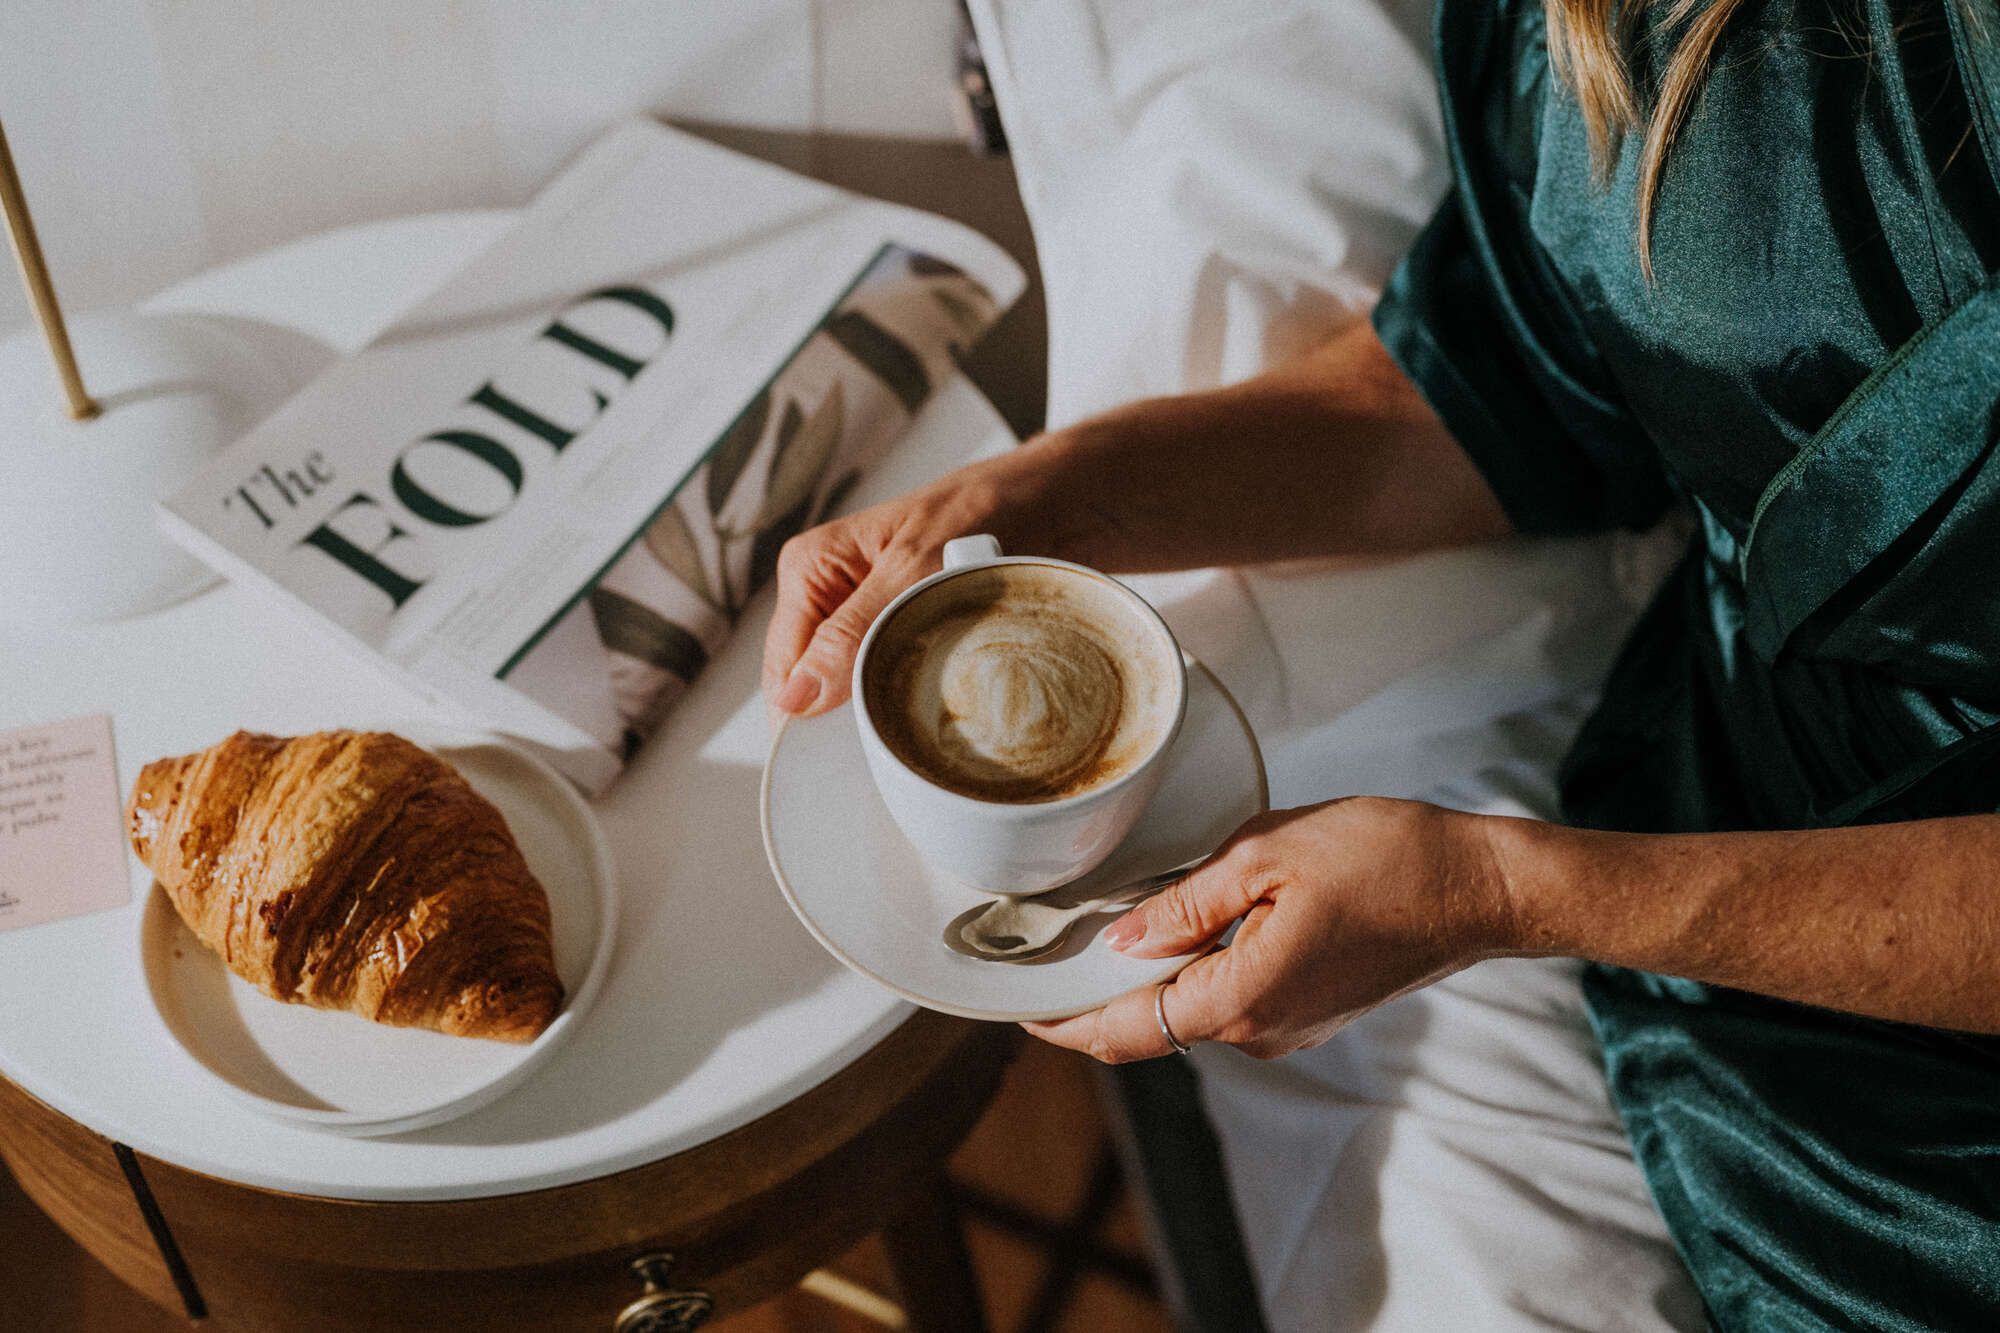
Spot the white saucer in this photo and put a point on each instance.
(860, 889)
(340, 1072)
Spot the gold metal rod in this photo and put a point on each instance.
(854, 1298)
(41, 291)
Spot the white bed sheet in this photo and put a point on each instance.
(1451, 1160)
(1216, 185)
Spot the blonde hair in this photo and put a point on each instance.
(1588, 49)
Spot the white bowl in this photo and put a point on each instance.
(340, 1072)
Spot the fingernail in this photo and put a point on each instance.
(799, 692)
(1125, 932)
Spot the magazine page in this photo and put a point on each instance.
(548, 491)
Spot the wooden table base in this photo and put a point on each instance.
(744, 1216)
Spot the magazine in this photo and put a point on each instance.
(544, 496)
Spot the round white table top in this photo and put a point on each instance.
(718, 1007)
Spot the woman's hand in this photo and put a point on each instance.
(1335, 454)
(1344, 905)
(835, 579)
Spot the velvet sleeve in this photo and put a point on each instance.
(1505, 377)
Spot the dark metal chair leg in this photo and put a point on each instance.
(926, 1246)
(1170, 1149)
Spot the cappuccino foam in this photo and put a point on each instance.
(1020, 683)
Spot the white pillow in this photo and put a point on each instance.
(1215, 187)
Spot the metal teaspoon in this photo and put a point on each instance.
(1017, 930)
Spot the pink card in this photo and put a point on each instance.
(62, 826)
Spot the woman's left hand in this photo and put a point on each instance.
(1344, 905)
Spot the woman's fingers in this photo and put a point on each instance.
(819, 680)
(1189, 912)
(1200, 1004)
(811, 583)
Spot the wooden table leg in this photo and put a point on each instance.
(926, 1246)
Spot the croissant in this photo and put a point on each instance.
(356, 871)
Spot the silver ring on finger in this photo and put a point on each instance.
(1160, 1012)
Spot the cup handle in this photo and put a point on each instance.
(963, 551)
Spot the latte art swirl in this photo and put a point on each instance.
(1027, 700)
(1021, 683)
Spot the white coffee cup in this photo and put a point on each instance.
(1016, 847)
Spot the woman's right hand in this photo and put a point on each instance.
(1333, 454)
(835, 579)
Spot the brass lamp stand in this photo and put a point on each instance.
(78, 539)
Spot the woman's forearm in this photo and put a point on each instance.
(1336, 454)
(1894, 921)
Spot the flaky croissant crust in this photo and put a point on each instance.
(356, 871)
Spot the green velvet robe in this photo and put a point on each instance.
(1816, 373)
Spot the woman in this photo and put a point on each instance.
(1735, 254)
